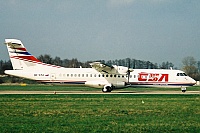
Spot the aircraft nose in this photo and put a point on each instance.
(193, 81)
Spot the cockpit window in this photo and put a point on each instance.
(181, 74)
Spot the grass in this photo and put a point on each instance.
(100, 113)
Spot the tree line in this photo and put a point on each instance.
(132, 63)
(190, 65)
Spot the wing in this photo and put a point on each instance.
(103, 68)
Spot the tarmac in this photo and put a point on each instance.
(98, 92)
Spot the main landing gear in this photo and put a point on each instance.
(107, 89)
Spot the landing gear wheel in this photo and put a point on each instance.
(107, 89)
(183, 89)
(104, 90)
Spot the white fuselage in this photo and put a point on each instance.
(91, 77)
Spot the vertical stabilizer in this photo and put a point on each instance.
(19, 56)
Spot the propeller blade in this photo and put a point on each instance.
(128, 72)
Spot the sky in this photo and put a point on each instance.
(150, 30)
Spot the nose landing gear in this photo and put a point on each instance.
(183, 89)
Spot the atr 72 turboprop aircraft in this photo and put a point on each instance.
(100, 75)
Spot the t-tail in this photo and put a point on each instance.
(21, 59)
(19, 56)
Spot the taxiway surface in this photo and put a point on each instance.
(98, 92)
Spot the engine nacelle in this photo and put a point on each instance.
(121, 69)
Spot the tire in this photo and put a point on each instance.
(107, 89)
(104, 90)
(183, 89)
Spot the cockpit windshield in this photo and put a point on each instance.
(181, 74)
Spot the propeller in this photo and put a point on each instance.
(129, 71)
